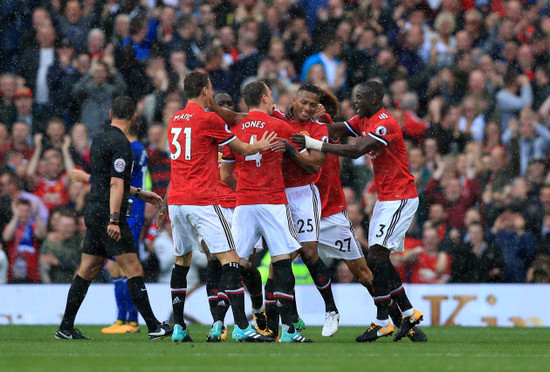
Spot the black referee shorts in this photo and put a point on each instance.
(97, 242)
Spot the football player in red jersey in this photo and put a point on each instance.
(194, 136)
(382, 140)
(303, 197)
(262, 209)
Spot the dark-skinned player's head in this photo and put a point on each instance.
(124, 108)
(306, 102)
(368, 98)
(224, 100)
(256, 93)
(194, 84)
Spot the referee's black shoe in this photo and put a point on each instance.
(70, 334)
(164, 329)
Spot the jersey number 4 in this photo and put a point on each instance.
(176, 132)
(254, 157)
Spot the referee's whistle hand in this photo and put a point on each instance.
(114, 232)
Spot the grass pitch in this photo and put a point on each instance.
(33, 348)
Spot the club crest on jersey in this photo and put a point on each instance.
(381, 131)
(304, 132)
(372, 154)
(120, 165)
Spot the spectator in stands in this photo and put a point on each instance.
(413, 126)
(7, 96)
(472, 121)
(248, 62)
(80, 145)
(19, 141)
(61, 76)
(75, 25)
(96, 90)
(428, 265)
(21, 235)
(329, 58)
(476, 261)
(26, 111)
(298, 43)
(187, 38)
(446, 132)
(60, 252)
(534, 138)
(52, 187)
(96, 44)
(159, 158)
(456, 198)
(539, 272)
(34, 65)
(516, 245)
(220, 77)
(509, 103)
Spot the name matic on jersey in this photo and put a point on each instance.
(183, 117)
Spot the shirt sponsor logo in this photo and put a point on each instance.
(120, 165)
(253, 124)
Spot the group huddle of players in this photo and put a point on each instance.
(278, 186)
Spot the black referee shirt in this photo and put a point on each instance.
(110, 156)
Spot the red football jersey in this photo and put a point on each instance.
(293, 173)
(260, 175)
(53, 193)
(227, 197)
(329, 184)
(390, 162)
(194, 135)
(423, 271)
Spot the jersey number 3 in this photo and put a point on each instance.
(176, 132)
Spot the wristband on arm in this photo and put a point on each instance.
(313, 144)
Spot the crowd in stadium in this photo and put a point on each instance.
(468, 81)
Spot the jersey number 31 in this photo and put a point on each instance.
(176, 132)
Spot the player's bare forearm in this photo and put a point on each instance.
(227, 174)
(311, 161)
(352, 150)
(338, 130)
(230, 117)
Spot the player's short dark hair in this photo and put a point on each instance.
(134, 127)
(310, 88)
(253, 92)
(193, 84)
(123, 107)
(375, 88)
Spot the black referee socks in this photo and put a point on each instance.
(138, 292)
(76, 295)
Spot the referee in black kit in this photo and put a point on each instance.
(108, 233)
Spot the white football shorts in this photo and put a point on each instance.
(305, 206)
(272, 222)
(337, 237)
(390, 221)
(193, 223)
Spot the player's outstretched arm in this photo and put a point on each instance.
(338, 130)
(244, 149)
(353, 150)
(230, 117)
(147, 196)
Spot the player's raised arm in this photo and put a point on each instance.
(244, 149)
(229, 116)
(354, 150)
